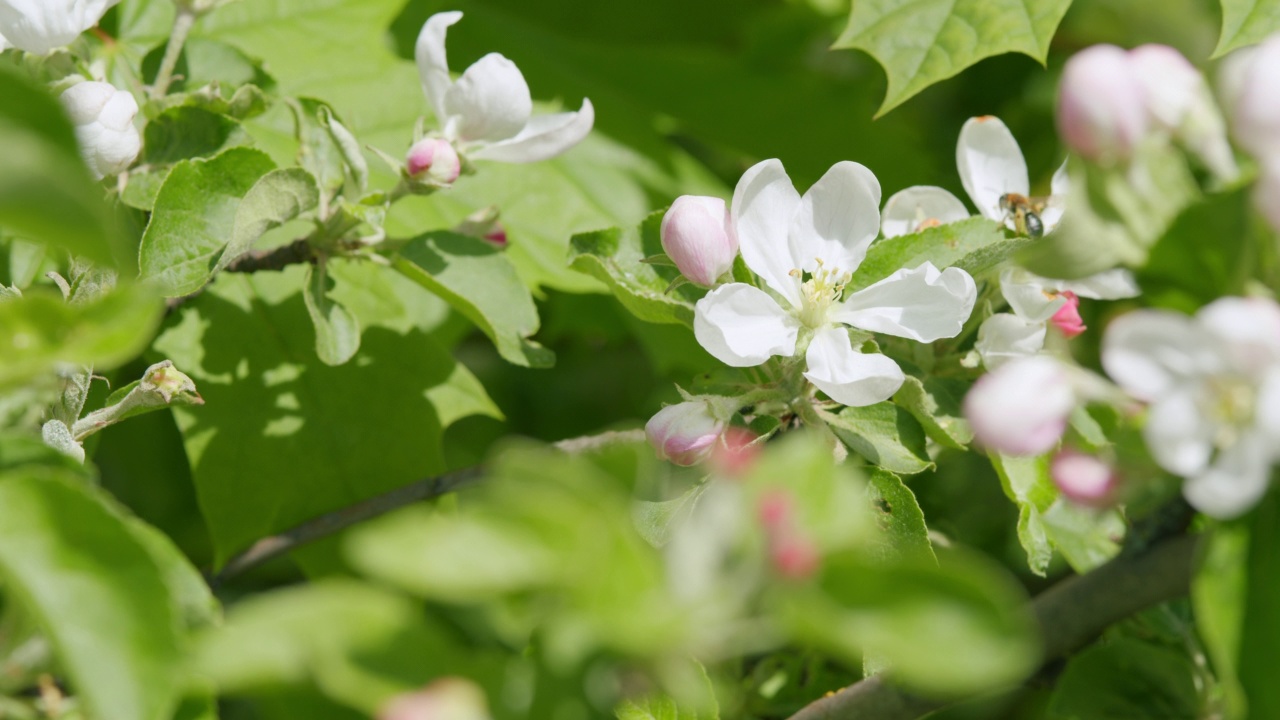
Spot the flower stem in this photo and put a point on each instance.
(182, 23)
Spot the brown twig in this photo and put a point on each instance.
(1070, 614)
(330, 523)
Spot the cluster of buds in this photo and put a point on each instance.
(1110, 100)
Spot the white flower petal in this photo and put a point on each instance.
(1248, 330)
(1177, 432)
(991, 164)
(838, 218)
(1030, 296)
(39, 26)
(1149, 352)
(742, 326)
(763, 204)
(1005, 336)
(1107, 285)
(922, 304)
(1268, 407)
(489, 102)
(1235, 482)
(848, 376)
(433, 65)
(1059, 187)
(909, 209)
(544, 137)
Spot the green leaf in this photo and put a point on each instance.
(655, 521)
(1245, 22)
(186, 585)
(976, 246)
(920, 42)
(1086, 537)
(276, 198)
(900, 518)
(479, 282)
(204, 61)
(338, 634)
(613, 256)
(76, 564)
(185, 133)
(40, 330)
(1260, 628)
(1218, 592)
(319, 152)
(46, 192)
(933, 403)
(193, 218)
(1026, 482)
(1115, 219)
(960, 627)
(1130, 679)
(327, 437)
(885, 435)
(337, 331)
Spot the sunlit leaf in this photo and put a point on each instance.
(1245, 22)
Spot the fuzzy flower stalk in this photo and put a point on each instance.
(805, 250)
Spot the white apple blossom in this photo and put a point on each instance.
(488, 112)
(103, 120)
(39, 26)
(805, 250)
(1022, 407)
(991, 166)
(1213, 384)
(1035, 302)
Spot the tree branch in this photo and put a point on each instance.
(1071, 614)
(295, 253)
(338, 520)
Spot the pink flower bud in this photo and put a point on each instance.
(433, 160)
(1083, 479)
(497, 236)
(1022, 407)
(445, 699)
(794, 557)
(684, 433)
(698, 236)
(776, 510)
(1101, 114)
(736, 452)
(1067, 318)
(484, 224)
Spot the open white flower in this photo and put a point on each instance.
(1213, 382)
(805, 249)
(39, 26)
(488, 112)
(1035, 301)
(991, 166)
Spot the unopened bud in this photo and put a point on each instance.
(698, 236)
(1250, 83)
(1101, 114)
(794, 556)
(103, 119)
(434, 161)
(1178, 100)
(1021, 408)
(1083, 479)
(736, 452)
(1067, 319)
(684, 433)
(775, 510)
(484, 224)
(445, 699)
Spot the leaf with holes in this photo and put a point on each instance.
(920, 42)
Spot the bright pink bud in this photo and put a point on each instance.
(434, 161)
(1067, 319)
(1101, 109)
(698, 236)
(776, 510)
(1084, 479)
(1021, 408)
(684, 433)
(497, 236)
(736, 452)
(794, 556)
(445, 699)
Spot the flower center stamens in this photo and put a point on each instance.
(819, 292)
(1233, 404)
